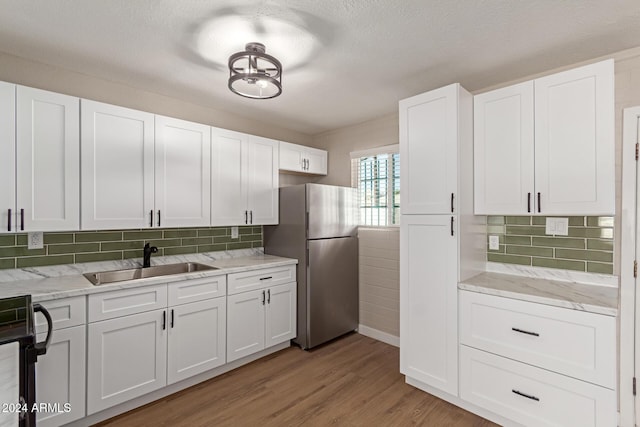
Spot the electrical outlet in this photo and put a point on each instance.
(494, 243)
(35, 240)
(557, 226)
(234, 232)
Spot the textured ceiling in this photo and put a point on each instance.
(345, 61)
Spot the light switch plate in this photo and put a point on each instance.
(494, 243)
(234, 232)
(557, 226)
(35, 240)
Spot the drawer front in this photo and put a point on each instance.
(258, 279)
(532, 396)
(65, 313)
(109, 305)
(197, 290)
(571, 342)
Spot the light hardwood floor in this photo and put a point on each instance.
(353, 381)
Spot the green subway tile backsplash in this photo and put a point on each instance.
(90, 246)
(588, 247)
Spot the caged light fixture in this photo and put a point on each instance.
(254, 74)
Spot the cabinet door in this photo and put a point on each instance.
(316, 161)
(245, 324)
(197, 338)
(280, 314)
(228, 188)
(290, 157)
(262, 179)
(504, 151)
(574, 137)
(60, 376)
(117, 374)
(7, 157)
(428, 301)
(47, 165)
(428, 149)
(182, 173)
(117, 167)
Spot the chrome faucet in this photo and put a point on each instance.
(147, 251)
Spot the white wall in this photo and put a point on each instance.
(380, 282)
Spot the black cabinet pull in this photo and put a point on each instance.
(452, 226)
(171, 318)
(538, 202)
(21, 219)
(451, 202)
(9, 220)
(158, 217)
(246, 217)
(263, 298)
(164, 320)
(266, 278)
(522, 331)
(151, 220)
(268, 296)
(528, 396)
(250, 217)
(529, 202)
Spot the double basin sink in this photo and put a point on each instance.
(106, 277)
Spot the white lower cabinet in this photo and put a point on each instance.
(127, 357)
(532, 396)
(61, 372)
(259, 319)
(197, 338)
(60, 376)
(535, 364)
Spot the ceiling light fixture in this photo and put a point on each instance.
(254, 74)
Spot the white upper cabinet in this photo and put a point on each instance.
(117, 167)
(298, 158)
(244, 179)
(575, 141)
(504, 150)
(428, 149)
(7, 157)
(547, 146)
(182, 173)
(47, 166)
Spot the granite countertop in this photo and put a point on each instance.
(55, 282)
(577, 296)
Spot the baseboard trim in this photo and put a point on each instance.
(379, 335)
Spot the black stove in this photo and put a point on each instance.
(17, 325)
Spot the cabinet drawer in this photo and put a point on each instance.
(109, 305)
(197, 289)
(571, 342)
(258, 279)
(532, 396)
(65, 313)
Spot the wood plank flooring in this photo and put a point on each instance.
(353, 381)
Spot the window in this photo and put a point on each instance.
(376, 175)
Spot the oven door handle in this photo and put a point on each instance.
(41, 347)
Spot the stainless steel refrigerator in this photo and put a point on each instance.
(318, 227)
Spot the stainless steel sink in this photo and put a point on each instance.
(104, 277)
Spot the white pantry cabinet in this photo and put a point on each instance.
(298, 158)
(117, 167)
(182, 173)
(39, 152)
(61, 372)
(244, 179)
(547, 146)
(439, 239)
(261, 310)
